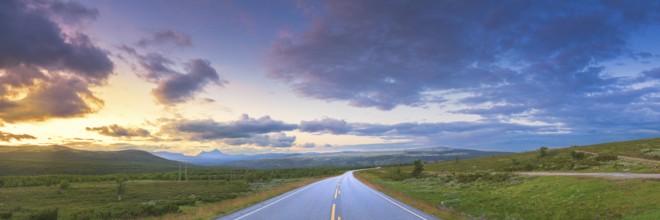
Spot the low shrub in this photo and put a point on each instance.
(5, 215)
(606, 157)
(478, 177)
(44, 214)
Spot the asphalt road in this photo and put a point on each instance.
(337, 198)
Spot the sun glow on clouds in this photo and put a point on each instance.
(327, 76)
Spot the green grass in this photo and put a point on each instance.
(647, 149)
(486, 187)
(561, 160)
(98, 200)
(516, 197)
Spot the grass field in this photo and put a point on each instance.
(518, 197)
(562, 160)
(486, 187)
(94, 200)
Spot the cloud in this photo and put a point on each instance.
(7, 137)
(44, 72)
(538, 61)
(182, 87)
(118, 131)
(58, 98)
(174, 87)
(245, 130)
(161, 37)
(326, 125)
(307, 145)
(279, 140)
(72, 12)
(489, 134)
(313, 145)
(157, 67)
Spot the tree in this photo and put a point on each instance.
(418, 168)
(543, 151)
(121, 188)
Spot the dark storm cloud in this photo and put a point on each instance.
(7, 137)
(176, 38)
(182, 87)
(244, 127)
(326, 125)
(119, 131)
(50, 69)
(536, 60)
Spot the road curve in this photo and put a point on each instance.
(338, 198)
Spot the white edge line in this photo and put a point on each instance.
(404, 208)
(263, 207)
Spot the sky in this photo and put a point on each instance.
(251, 76)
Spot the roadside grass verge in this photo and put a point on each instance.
(509, 196)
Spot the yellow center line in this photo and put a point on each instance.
(336, 192)
(332, 216)
(338, 217)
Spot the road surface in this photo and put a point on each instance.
(337, 198)
(604, 175)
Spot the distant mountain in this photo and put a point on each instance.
(214, 154)
(216, 157)
(348, 158)
(354, 158)
(34, 160)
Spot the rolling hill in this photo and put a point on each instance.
(35, 160)
(627, 156)
(356, 158)
(216, 157)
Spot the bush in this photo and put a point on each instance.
(482, 177)
(5, 215)
(578, 155)
(398, 175)
(64, 185)
(45, 214)
(156, 208)
(651, 153)
(606, 157)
